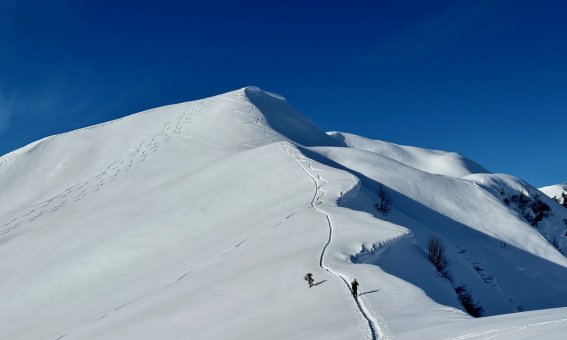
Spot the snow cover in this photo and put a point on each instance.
(554, 190)
(432, 161)
(199, 220)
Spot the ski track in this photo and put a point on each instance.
(186, 317)
(488, 278)
(377, 328)
(78, 192)
(181, 277)
(493, 333)
(255, 121)
(180, 322)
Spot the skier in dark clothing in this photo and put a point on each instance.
(354, 286)
(309, 279)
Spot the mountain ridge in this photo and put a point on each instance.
(199, 220)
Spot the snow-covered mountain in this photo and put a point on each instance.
(199, 221)
(554, 190)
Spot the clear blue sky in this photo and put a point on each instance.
(487, 79)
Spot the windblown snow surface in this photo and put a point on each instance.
(199, 221)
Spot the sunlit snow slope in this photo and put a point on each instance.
(199, 221)
(554, 190)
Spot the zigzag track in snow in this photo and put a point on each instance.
(253, 118)
(112, 171)
(254, 121)
(374, 327)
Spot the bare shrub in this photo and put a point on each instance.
(436, 255)
(466, 299)
(384, 205)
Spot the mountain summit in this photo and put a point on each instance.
(199, 220)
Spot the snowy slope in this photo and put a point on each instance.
(199, 220)
(554, 190)
(432, 161)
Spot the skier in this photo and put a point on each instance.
(309, 279)
(354, 286)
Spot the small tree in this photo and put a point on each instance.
(384, 205)
(436, 255)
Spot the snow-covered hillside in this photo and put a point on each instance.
(554, 190)
(199, 221)
(432, 161)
